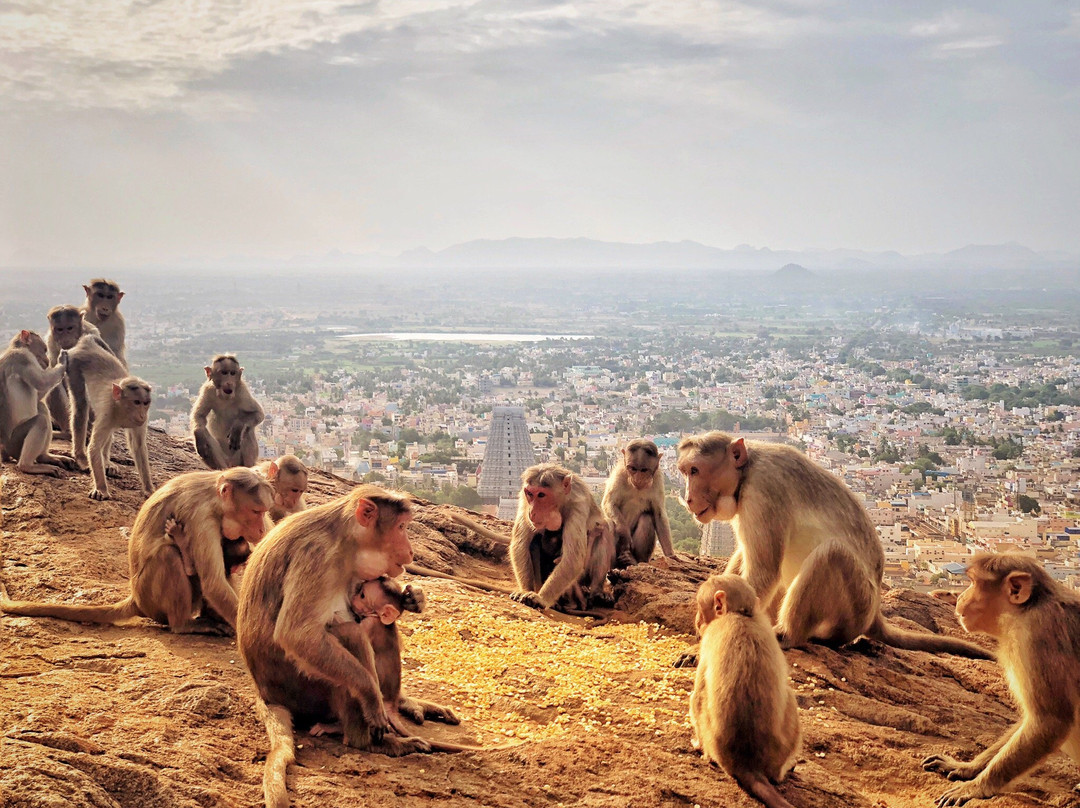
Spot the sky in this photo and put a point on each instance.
(157, 131)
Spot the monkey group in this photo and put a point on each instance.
(315, 609)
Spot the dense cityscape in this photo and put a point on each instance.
(958, 426)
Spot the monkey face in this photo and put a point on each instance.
(545, 505)
(979, 607)
(640, 467)
(288, 488)
(33, 341)
(102, 299)
(225, 376)
(712, 480)
(66, 328)
(134, 399)
(243, 517)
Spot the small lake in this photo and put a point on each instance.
(441, 336)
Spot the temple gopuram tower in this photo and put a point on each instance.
(509, 452)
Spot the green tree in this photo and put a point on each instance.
(1028, 504)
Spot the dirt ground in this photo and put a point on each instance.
(584, 713)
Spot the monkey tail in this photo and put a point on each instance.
(427, 572)
(479, 529)
(889, 634)
(80, 614)
(282, 752)
(440, 746)
(765, 791)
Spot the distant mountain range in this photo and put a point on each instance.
(585, 253)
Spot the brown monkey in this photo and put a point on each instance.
(376, 605)
(1037, 624)
(634, 503)
(561, 543)
(742, 709)
(294, 584)
(289, 477)
(211, 506)
(66, 328)
(224, 416)
(234, 552)
(101, 310)
(99, 382)
(805, 544)
(25, 428)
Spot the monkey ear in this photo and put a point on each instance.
(366, 512)
(566, 481)
(388, 614)
(117, 392)
(720, 602)
(208, 370)
(738, 453)
(119, 296)
(224, 488)
(272, 471)
(239, 373)
(24, 337)
(1018, 586)
(86, 289)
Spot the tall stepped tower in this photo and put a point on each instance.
(509, 452)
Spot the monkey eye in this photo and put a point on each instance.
(540, 495)
(693, 471)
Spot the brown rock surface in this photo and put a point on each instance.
(133, 716)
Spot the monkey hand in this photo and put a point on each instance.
(378, 722)
(236, 434)
(62, 360)
(952, 768)
(528, 599)
(958, 795)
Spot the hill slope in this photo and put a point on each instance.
(133, 716)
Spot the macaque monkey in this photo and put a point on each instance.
(804, 543)
(234, 552)
(211, 506)
(376, 605)
(634, 503)
(66, 328)
(25, 427)
(99, 382)
(224, 416)
(742, 709)
(101, 310)
(293, 587)
(289, 477)
(1037, 623)
(561, 545)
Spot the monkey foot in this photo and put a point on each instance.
(687, 659)
(112, 471)
(326, 729)
(530, 599)
(95, 493)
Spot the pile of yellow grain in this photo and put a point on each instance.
(538, 679)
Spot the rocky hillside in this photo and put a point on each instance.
(585, 714)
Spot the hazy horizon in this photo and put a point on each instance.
(160, 133)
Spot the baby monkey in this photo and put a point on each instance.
(742, 709)
(377, 605)
(234, 551)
